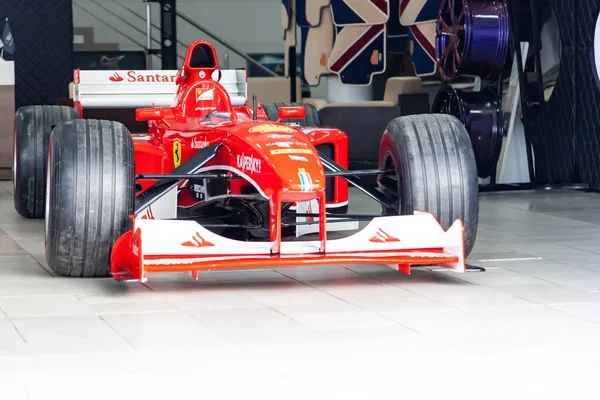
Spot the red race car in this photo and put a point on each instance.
(215, 184)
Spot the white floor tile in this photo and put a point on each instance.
(347, 331)
(335, 317)
(162, 330)
(69, 334)
(43, 306)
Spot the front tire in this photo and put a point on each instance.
(435, 169)
(90, 196)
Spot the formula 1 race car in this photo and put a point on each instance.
(215, 184)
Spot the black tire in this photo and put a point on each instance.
(90, 195)
(435, 170)
(312, 115)
(33, 125)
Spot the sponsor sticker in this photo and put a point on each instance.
(143, 77)
(177, 153)
(382, 236)
(249, 163)
(280, 144)
(298, 158)
(204, 95)
(116, 77)
(198, 191)
(305, 180)
(266, 128)
(199, 143)
(291, 151)
(277, 136)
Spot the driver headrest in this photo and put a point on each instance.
(201, 59)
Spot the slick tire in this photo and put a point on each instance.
(435, 170)
(311, 119)
(90, 195)
(33, 125)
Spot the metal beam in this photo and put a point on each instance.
(168, 32)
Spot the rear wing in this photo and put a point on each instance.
(144, 88)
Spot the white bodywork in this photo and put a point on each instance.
(137, 89)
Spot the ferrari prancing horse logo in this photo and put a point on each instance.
(177, 153)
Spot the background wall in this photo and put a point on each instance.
(251, 25)
(43, 58)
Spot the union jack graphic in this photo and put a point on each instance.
(358, 53)
(286, 17)
(416, 11)
(360, 12)
(287, 11)
(423, 56)
(308, 12)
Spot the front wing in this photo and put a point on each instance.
(185, 246)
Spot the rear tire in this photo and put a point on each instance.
(90, 195)
(311, 119)
(33, 126)
(435, 169)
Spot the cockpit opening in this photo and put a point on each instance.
(220, 116)
(202, 57)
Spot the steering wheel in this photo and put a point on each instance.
(206, 96)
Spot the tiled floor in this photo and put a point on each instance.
(527, 328)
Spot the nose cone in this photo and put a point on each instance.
(293, 157)
(303, 179)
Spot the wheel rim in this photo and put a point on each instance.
(451, 29)
(481, 115)
(471, 38)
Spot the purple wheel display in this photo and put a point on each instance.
(481, 115)
(471, 38)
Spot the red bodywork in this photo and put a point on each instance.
(176, 133)
(282, 163)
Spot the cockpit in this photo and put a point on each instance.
(205, 93)
(217, 117)
(200, 92)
